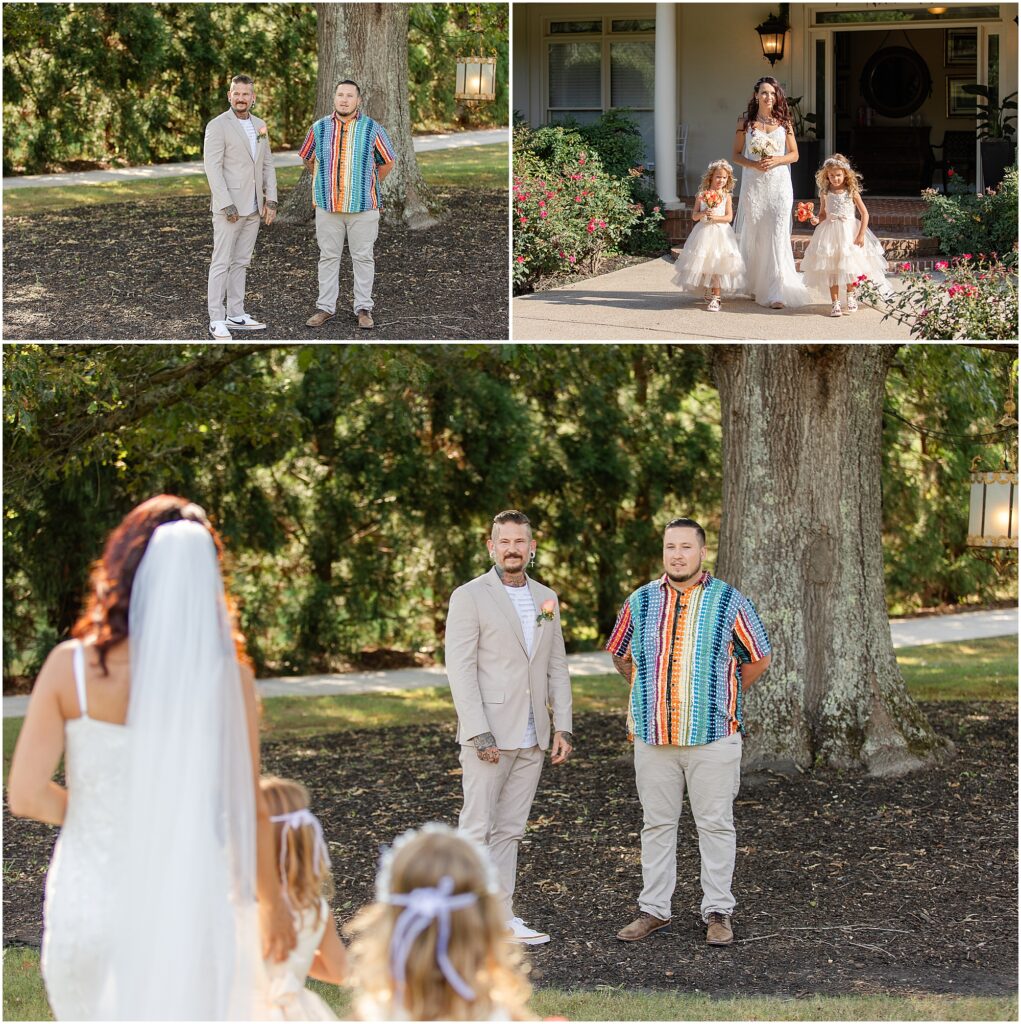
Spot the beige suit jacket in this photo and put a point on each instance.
(492, 678)
(230, 170)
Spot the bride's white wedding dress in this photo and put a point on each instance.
(81, 880)
(763, 228)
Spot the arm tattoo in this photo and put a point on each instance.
(568, 737)
(484, 741)
(231, 211)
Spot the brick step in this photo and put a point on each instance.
(898, 245)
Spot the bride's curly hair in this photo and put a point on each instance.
(781, 111)
(106, 615)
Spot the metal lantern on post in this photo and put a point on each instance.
(772, 34)
(476, 74)
(993, 513)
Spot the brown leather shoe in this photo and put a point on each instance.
(719, 932)
(642, 927)
(365, 319)
(318, 318)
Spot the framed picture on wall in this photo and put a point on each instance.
(960, 47)
(959, 103)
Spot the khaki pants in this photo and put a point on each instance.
(360, 231)
(497, 799)
(233, 245)
(711, 773)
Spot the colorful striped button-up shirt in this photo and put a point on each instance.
(687, 648)
(348, 155)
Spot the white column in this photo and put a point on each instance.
(665, 116)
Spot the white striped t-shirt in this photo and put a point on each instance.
(521, 598)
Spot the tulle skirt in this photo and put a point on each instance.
(832, 258)
(710, 251)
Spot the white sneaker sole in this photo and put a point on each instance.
(537, 941)
(246, 327)
(220, 337)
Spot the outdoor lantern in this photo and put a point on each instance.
(476, 79)
(772, 33)
(992, 522)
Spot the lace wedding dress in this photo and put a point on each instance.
(763, 228)
(81, 880)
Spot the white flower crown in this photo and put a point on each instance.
(384, 874)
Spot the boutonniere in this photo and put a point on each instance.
(546, 612)
(262, 134)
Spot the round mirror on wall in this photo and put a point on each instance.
(895, 81)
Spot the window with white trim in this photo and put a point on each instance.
(596, 64)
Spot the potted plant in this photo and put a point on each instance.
(995, 132)
(803, 172)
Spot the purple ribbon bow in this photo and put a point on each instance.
(421, 908)
(299, 819)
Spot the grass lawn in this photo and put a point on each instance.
(968, 670)
(25, 999)
(467, 167)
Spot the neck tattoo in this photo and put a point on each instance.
(511, 579)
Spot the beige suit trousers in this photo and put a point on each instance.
(233, 245)
(497, 799)
(711, 773)
(360, 231)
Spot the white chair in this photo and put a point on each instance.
(682, 150)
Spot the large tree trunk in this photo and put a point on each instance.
(368, 43)
(801, 535)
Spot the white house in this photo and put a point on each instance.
(884, 79)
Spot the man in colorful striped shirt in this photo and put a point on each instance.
(690, 646)
(349, 156)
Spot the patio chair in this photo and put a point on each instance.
(682, 150)
(958, 153)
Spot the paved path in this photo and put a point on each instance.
(285, 158)
(640, 303)
(935, 629)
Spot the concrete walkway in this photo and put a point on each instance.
(640, 303)
(935, 629)
(284, 158)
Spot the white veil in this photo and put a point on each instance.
(186, 928)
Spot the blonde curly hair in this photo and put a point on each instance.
(851, 177)
(306, 879)
(707, 178)
(477, 949)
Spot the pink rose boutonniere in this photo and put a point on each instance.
(262, 134)
(546, 612)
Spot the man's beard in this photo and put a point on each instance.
(684, 579)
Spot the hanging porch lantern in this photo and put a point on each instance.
(476, 74)
(993, 513)
(772, 34)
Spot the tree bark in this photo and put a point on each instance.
(801, 535)
(368, 43)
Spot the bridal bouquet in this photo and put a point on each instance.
(763, 145)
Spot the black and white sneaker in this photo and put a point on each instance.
(244, 323)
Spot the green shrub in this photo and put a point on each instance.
(965, 221)
(977, 298)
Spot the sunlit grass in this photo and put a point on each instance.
(25, 999)
(467, 167)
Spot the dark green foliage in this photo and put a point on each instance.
(137, 82)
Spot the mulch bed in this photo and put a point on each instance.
(138, 271)
(845, 884)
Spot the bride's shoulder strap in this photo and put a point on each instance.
(78, 667)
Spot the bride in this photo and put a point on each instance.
(764, 144)
(165, 839)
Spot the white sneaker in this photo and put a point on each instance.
(244, 323)
(218, 329)
(852, 304)
(520, 932)
(835, 311)
(714, 305)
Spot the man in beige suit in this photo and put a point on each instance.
(507, 670)
(239, 167)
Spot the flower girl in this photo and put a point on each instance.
(711, 259)
(304, 875)
(842, 251)
(434, 945)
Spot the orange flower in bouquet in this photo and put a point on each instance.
(711, 198)
(805, 212)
